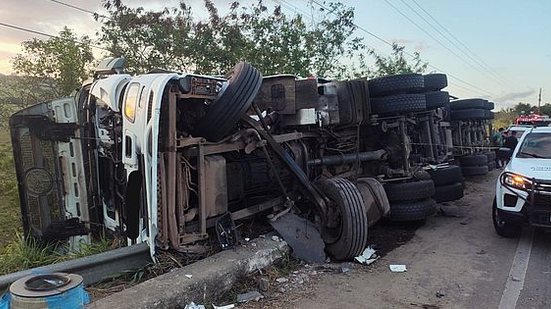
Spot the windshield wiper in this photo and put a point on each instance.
(533, 155)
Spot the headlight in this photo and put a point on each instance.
(516, 181)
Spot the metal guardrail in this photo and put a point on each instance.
(92, 268)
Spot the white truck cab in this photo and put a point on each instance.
(523, 190)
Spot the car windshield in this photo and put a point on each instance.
(536, 145)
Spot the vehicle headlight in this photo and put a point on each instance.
(516, 181)
(130, 110)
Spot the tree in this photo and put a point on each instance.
(57, 65)
(271, 40)
(397, 63)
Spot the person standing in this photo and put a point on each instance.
(497, 142)
(511, 142)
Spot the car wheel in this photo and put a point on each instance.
(346, 234)
(223, 114)
(502, 227)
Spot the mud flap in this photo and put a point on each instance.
(302, 236)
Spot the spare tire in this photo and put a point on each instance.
(437, 99)
(395, 84)
(468, 104)
(474, 160)
(446, 175)
(435, 82)
(412, 211)
(409, 191)
(223, 114)
(448, 193)
(474, 170)
(399, 104)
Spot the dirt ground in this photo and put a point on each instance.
(455, 260)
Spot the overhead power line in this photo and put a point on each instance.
(407, 53)
(73, 7)
(19, 28)
(484, 67)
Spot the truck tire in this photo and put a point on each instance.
(223, 114)
(412, 211)
(409, 191)
(502, 227)
(474, 170)
(435, 82)
(468, 104)
(491, 166)
(491, 156)
(469, 114)
(473, 160)
(395, 84)
(349, 238)
(490, 105)
(399, 104)
(437, 99)
(446, 176)
(448, 193)
(489, 114)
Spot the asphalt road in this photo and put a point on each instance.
(453, 261)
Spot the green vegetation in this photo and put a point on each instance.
(506, 116)
(24, 253)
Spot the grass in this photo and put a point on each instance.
(10, 218)
(24, 253)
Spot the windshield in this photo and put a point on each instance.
(536, 145)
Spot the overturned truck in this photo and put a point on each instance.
(164, 157)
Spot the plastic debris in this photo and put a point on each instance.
(188, 276)
(275, 238)
(397, 268)
(281, 280)
(247, 239)
(252, 295)
(230, 306)
(192, 305)
(367, 257)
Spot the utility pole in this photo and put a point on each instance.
(539, 103)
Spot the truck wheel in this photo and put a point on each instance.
(468, 104)
(223, 114)
(409, 191)
(502, 227)
(395, 84)
(412, 211)
(398, 104)
(346, 234)
(474, 160)
(491, 156)
(490, 105)
(435, 82)
(446, 175)
(474, 170)
(437, 99)
(469, 114)
(491, 166)
(448, 193)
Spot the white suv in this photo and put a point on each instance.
(523, 190)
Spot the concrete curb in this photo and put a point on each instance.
(211, 277)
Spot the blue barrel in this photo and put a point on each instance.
(5, 301)
(57, 290)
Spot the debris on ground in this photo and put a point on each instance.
(399, 268)
(192, 305)
(189, 276)
(252, 295)
(230, 306)
(367, 257)
(263, 284)
(440, 294)
(281, 280)
(302, 236)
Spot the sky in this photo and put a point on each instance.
(495, 49)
